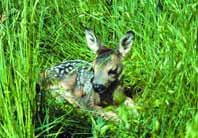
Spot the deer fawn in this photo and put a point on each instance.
(90, 85)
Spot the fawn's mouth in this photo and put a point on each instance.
(99, 91)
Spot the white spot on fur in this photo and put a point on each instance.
(66, 70)
(70, 68)
(62, 72)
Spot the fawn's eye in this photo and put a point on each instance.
(113, 71)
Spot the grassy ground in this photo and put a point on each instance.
(162, 67)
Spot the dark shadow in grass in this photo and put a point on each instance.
(63, 123)
(132, 91)
(62, 120)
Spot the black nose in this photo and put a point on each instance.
(98, 88)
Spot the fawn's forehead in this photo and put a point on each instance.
(106, 56)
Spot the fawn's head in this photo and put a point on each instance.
(107, 65)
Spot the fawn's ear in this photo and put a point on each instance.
(126, 42)
(92, 41)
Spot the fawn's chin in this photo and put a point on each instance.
(100, 92)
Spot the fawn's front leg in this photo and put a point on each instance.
(107, 115)
(99, 110)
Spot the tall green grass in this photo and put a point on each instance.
(162, 67)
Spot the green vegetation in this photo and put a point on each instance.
(162, 67)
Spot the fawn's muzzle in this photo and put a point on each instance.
(99, 88)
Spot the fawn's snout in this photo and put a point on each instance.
(99, 88)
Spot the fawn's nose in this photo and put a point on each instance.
(98, 88)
